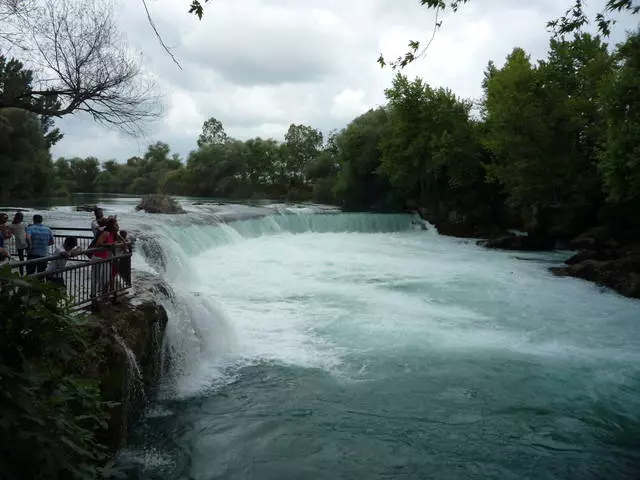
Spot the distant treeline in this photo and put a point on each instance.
(563, 130)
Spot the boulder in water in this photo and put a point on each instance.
(159, 204)
(86, 208)
(521, 243)
(621, 274)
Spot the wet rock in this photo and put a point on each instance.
(582, 256)
(593, 239)
(86, 208)
(562, 222)
(130, 337)
(621, 274)
(521, 243)
(457, 224)
(159, 204)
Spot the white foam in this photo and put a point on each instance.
(255, 291)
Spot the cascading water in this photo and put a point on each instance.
(360, 346)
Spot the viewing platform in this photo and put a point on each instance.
(87, 279)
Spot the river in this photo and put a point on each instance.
(316, 345)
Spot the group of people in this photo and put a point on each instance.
(33, 242)
(106, 231)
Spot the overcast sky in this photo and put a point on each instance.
(260, 65)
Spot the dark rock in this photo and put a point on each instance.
(563, 222)
(139, 329)
(581, 256)
(622, 274)
(86, 208)
(456, 224)
(159, 204)
(593, 239)
(521, 243)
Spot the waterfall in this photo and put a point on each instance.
(198, 335)
(135, 382)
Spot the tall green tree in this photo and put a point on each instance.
(212, 133)
(430, 153)
(303, 145)
(25, 161)
(620, 155)
(519, 134)
(359, 184)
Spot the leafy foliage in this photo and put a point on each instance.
(620, 154)
(50, 408)
(544, 123)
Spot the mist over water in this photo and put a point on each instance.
(358, 346)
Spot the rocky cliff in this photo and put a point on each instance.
(130, 336)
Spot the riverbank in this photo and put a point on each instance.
(606, 243)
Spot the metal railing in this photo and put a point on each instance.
(86, 281)
(84, 240)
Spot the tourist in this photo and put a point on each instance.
(124, 264)
(68, 249)
(100, 271)
(5, 233)
(39, 238)
(4, 253)
(19, 231)
(95, 224)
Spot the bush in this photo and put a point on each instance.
(50, 403)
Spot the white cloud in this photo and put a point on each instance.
(260, 65)
(348, 104)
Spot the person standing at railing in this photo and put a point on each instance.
(96, 226)
(5, 233)
(124, 265)
(101, 272)
(4, 253)
(19, 231)
(39, 238)
(68, 249)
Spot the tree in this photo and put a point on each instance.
(619, 161)
(212, 133)
(571, 77)
(302, 145)
(359, 184)
(25, 161)
(82, 66)
(544, 123)
(430, 152)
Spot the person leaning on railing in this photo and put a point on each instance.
(68, 249)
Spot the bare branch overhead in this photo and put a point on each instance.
(80, 60)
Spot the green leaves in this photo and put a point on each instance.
(197, 9)
(619, 158)
(50, 404)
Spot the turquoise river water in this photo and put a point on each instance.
(310, 345)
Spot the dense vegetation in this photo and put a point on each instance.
(564, 130)
(51, 409)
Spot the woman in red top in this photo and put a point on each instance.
(108, 237)
(102, 277)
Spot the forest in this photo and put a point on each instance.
(561, 131)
